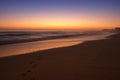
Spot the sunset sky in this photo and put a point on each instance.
(59, 14)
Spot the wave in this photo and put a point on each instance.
(11, 37)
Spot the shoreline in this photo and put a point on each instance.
(18, 49)
(91, 60)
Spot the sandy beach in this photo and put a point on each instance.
(91, 60)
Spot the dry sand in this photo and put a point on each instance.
(91, 60)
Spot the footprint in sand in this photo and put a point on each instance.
(29, 71)
(24, 74)
(32, 66)
(32, 79)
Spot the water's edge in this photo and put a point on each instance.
(26, 48)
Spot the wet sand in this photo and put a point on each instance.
(91, 60)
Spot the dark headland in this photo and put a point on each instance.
(91, 60)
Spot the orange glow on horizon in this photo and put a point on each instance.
(57, 21)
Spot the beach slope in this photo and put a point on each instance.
(91, 60)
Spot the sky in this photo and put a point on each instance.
(59, 14)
